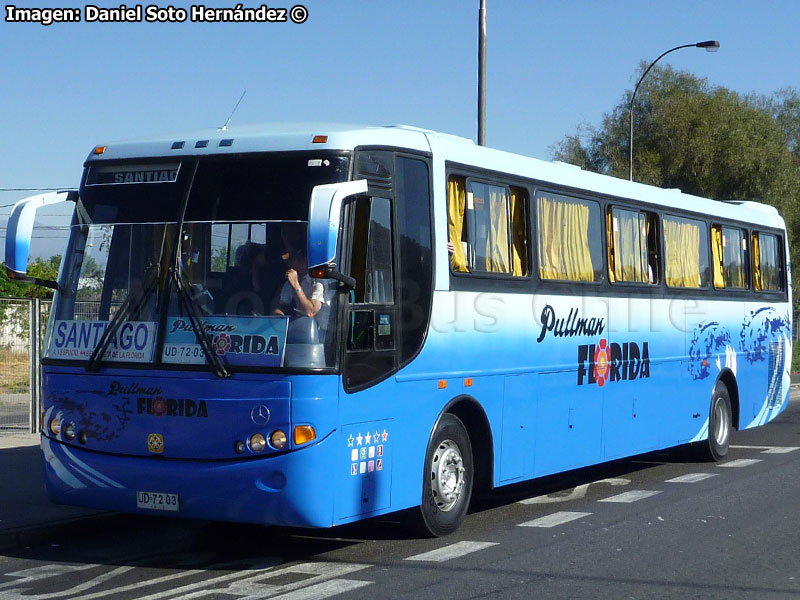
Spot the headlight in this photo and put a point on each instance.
(69, 432)
(257, 442)
(277, 439)
(55, 426)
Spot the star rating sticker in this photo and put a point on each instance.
(350, 441)
(385, 436)
(376, 437)
(359, 438)
(368, 438)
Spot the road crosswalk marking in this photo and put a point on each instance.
(456, 550)
(558, 518)
(769, 449)
(692, 478)
(631, 496)
(741, 462)
(323, 590)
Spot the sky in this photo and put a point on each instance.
(551, 66)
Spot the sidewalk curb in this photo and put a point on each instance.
(50, 532)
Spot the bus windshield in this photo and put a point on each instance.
(231, 287)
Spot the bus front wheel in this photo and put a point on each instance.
(448, 477)
(720, 424)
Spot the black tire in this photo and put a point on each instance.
(720, 425)
(445, 499)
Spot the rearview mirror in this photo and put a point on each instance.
(324, 218)
(20, 232)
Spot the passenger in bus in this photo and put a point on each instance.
(247, 283)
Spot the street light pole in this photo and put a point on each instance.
(482, 74)
(709, 45)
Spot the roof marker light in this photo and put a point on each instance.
(99, 150)
(319, 139)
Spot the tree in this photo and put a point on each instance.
(705, 140)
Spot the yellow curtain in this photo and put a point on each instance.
(757, 279)
(683, 253)
(734, 258)
(627, 252)
(770, 278)
(612, 268)
(518, 228)
(456, 206)
(497, 246)
(564, 240)
(717, 254)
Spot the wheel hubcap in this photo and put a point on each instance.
(447, 475)
(721, 427)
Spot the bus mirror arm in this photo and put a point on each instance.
(53, 285)
(328, 271)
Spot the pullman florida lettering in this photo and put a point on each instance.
(602, 362)
(573, 325)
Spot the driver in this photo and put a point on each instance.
(299, 296)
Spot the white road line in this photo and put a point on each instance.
(558, 518)
(631, 496)
(769, 449)
(255, 584)
(575, 494)
(456, 550)
(324, 590)
(780, 450)
(742, 462)
(691, 478)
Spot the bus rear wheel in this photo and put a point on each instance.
(448, 478)
(720, 424)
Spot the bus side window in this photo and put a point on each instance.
(729, 251)
(632, 246)
(686, 259)
(766, 263)
(487, 228)
(569, 238)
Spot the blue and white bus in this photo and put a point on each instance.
(313, 325)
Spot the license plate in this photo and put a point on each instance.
(157, 501)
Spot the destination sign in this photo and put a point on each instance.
(129, 174)
(134, 340)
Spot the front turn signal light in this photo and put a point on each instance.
(303, 434)
(55, 426)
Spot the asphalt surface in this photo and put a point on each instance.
(656, 526)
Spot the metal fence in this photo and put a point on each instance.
(22, 327)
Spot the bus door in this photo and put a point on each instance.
(371, 326)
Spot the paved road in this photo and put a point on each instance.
(658, 526)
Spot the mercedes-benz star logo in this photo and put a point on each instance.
(260, 415)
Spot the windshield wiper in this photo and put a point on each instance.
(128, 307)
(190, 306)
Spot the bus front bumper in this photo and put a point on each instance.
(288, 489)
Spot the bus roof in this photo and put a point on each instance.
(273, 137)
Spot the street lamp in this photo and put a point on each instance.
(709, 45)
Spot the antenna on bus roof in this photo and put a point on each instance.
(224, 127)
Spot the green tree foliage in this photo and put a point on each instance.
(40, 268)
(703, 139)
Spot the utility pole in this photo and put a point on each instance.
(482, 74)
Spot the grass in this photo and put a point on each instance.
(14, 372)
